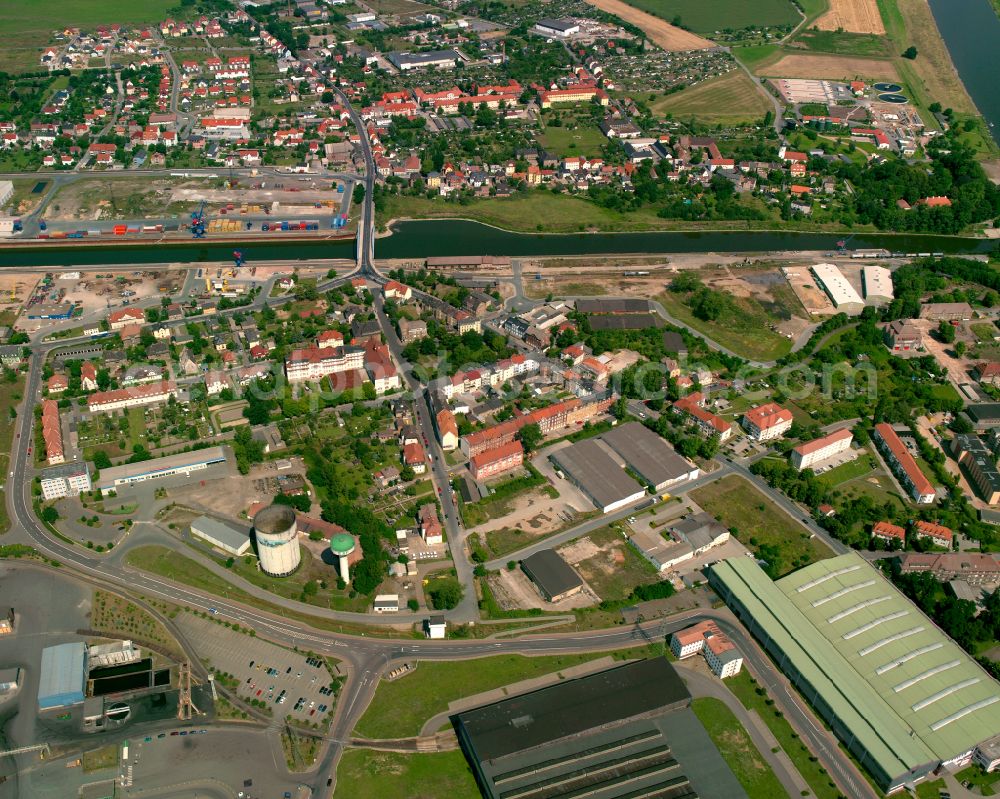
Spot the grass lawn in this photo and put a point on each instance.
(728, 99)
(737, 749)
(538, 210)
(364, 774)
(742, 329)
(99, 759)
(400, 708)
(9, 397)
(169, 564)
(930, 790)
(984, 331)
(28, 31)
(986, 782)
(586, 140)
(756, 521)
(860, 466)
(757, 55)
(743, 686)
(706, 18)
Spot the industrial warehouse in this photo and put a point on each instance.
(222, 535)
(902, 696)
(623, 732)
(183, 463)
(598, 465)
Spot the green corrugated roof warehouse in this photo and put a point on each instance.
(899, 692)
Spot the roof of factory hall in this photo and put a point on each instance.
(571, 707)
(647, 454)
(905, 690)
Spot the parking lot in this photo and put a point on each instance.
(290, 683)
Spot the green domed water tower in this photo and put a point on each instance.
(342, 545)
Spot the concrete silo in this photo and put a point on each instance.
(277, 540)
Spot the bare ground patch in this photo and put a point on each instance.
(833, 67)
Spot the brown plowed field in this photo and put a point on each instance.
(659, 31)
(832, 67)
(854, 16)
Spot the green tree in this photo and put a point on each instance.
(50, 515)
(445, 594)
(359, 194)
(530, 436)
(101, 460)
(910, 52)
(946, 332)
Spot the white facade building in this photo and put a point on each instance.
(65, 480)
(841, 293)
(812, 452)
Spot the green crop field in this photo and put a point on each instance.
(728, 99)
(28, 32)
(708, 16)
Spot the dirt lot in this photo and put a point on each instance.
(659, 31)
(855, 16)
(92, 292)
(15, 288)
(805, 288)
(832, 67)
(514, 591)
(230, 496)
(118, 198)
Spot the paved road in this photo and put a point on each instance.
(591, 525)
(366, 657)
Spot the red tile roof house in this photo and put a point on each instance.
(889, 532)
(497, 461)
(939, 535)
(413, 456)
(903, 464)
(767, 422)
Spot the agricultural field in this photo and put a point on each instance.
(708, 18)
(759, 524)
(27, 32)
(842, 43)
(853, 16)
(659, 31)
(832, 67)
(726, 100)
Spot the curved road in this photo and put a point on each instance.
(366, 657)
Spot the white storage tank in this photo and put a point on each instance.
(277, 540)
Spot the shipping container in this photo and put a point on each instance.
(120, 230)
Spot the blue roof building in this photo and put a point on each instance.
(63, 675)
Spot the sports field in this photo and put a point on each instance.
(27, 30)
(728, 99)
(708, 16)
